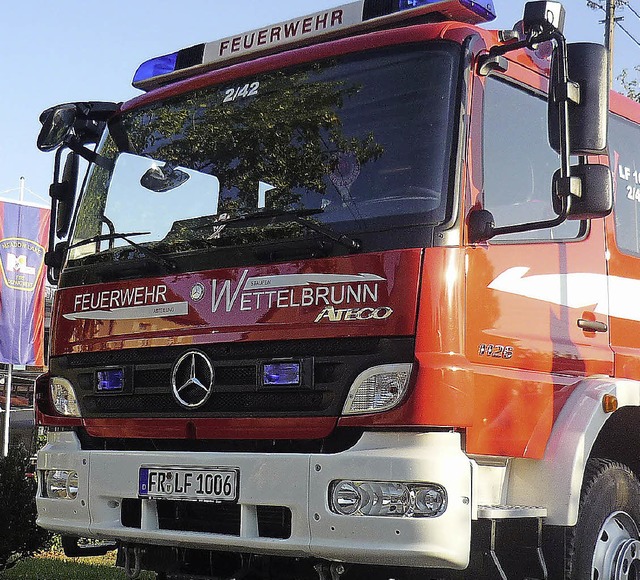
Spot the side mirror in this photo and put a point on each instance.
(57, 125)
(596, 192)
(588, 105)
(542, 19)
(64, 194)
(54, 259)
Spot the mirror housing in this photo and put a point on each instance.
(57, 126)
(54, 259)
(543, 19)
(74, 124)
(596, 192)
(588, 118)
(63, 194)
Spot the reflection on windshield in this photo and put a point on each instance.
(365, 140)
(160, 207)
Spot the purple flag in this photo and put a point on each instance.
(23, 240)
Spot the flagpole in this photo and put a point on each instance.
(7, 411)
(6, 419)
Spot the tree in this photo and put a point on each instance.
(631, 86)
(20, 537)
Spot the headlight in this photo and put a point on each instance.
(60, 484)
(387, 498)
(63, 397)
(378, 389)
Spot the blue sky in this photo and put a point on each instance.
(73, 50)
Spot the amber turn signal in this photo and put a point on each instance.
(609, 403)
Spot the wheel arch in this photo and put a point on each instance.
(582, 430)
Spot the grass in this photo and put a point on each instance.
(54, 565)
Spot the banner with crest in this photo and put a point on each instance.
(23, 239)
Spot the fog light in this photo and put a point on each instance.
(60, 484)
(387, 499)
(378, 389)
(63, 397)
(429, 501)
(346, 498)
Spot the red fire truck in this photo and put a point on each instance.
(351, 296)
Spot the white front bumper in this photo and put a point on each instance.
(297, 481)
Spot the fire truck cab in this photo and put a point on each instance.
(351, 295)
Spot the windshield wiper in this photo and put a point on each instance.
(299, 216)
(157, 258)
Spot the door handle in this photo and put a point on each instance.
(592, 325)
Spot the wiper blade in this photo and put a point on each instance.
(270, 215)
(157, 258)
(299, 216)
(107, 237)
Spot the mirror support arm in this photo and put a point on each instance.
(563, 91)
(76, 146)
(50, 257)
(562, 94)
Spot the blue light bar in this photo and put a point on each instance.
(110, 380)
(483, 8)
(155, 67)
(337, 21)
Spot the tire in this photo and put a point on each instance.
(605, 543)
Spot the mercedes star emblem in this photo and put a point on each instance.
(192, 379)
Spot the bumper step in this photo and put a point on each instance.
(508, 542)
(503, 512)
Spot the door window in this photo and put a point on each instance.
(518, 162)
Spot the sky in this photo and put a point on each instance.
(75, 50)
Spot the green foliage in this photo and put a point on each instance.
(631, 86)
(20, 537)
(60, 568)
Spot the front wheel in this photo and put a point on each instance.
(605, 543)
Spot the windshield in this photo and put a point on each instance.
(360, 144)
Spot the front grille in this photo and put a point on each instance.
(329, 368)
(212, 518)
(273, 402)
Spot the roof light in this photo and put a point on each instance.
(357, 14)
(161, 65)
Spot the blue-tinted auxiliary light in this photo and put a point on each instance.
(110, 380)
(281, 374)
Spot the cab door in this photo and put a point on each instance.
(623, 236)
(536, 301)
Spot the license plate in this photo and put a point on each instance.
(211, 484)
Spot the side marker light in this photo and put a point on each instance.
(609, 403)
